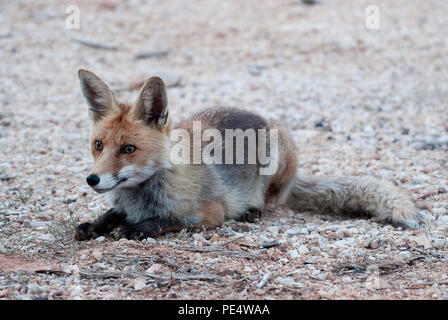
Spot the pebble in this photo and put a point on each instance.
(374, 243)
(100, 239)
(255, 69)
(45, 237)
(292, 232)
(294, 254)
(443, 219)
(151, 240)
(341, 243)
(274, 230)
(303, 250)
(343, 233)
(76, 291)
(36, 289)
(139, 283)
(97, 255)
(99, 266)
(72, 207)
(323, 244)
(155, 268)
(199, 237)
(286, 281)
(379, 283)
(74, 269)
(423, 240)
(39, 225)
(439, 243)
(4, 293)
(403, 256)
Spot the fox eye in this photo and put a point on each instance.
(98, 145)
(128, 149)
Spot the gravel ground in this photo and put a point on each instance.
(357, 101)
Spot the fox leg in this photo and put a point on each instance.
(209, 214)
(151, 227)
(100, 226)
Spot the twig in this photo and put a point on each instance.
(424, 284)
(185, 277)
(230, 240)
(94, 45)
(219, 251)
(265, 279)
(153, 54)
(117, 274)
(270, 244)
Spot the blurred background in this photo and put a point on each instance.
(352, 89)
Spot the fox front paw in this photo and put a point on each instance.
(130, 233)
(85, 231)
(251, 215)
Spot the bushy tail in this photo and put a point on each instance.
(381, 199)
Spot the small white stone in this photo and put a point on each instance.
(199, 237)
(403, 256)
(443, 219)
(343, 233)
(75, 269)
(439, 243)
(97, 255)
(72, 206)
(293, 254)
(323, 245)
(139, 283)
(100, 239)
(373, 268)
(303, 249)
(76, 291)
(36, 289)
(45, 237)
(155, 268)
(423, 240)
(341, 243)
(151, 240)
(286, 281)
(73, 197)
(99, 266)
(379, 283)
(273, 229)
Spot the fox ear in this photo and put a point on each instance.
(98, 95)
(152, 103)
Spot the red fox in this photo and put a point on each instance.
(151, 195)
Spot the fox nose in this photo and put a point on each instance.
(92, 180)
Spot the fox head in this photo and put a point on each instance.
(129, 142)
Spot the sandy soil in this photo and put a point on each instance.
(358, 102)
